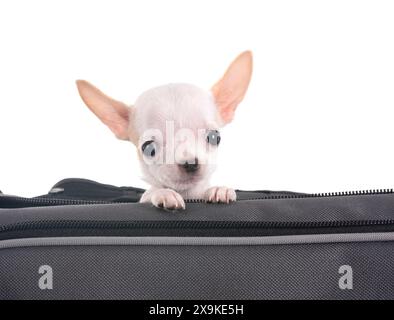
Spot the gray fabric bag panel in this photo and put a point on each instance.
(287, 267)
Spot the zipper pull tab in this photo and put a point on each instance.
(56, 190)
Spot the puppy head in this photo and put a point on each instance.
(175, 127)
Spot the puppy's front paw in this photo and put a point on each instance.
(164, 198)
(220, 195)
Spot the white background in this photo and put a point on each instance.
(318, 116)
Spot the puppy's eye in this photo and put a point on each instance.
(149, 148)
(213, 137)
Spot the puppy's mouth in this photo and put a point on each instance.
(183, 180)
(186, 177)
(177, 178)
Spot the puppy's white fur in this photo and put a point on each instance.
(182, 110)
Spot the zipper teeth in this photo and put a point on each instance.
(314, 195)
(56, 201)
(339, 194)
(111, 224)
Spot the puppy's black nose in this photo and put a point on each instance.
(190, 165)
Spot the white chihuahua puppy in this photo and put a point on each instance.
(175, 128)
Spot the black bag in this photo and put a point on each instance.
(85, 240)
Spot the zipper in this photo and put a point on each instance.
(311, 195)
(188, 224)
(58, 228)
(20, 202)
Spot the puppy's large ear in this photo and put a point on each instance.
(229, 91)
(114, 114)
